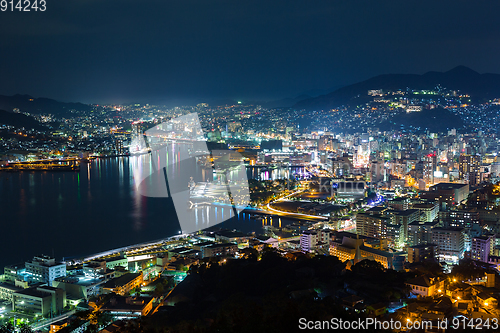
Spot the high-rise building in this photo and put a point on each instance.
(404, 218)
(468, 168)
(372, 225)
(481, 247)
(459, 218)
(119, 147)
(327, 142)
(450, 243)
(420, 232)
(429, 165)
(421, 252)
(377, 171)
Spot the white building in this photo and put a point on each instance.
(428, 211)
(44, 269)
(6, 291)
(450, 243)
(311, 240)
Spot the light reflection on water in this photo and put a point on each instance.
(95, 209)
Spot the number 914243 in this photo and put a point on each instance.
(23, 5)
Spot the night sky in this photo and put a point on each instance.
(185, 51)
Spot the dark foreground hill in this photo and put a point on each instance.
(270, 295)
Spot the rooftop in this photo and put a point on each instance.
(447, 186)
(122, 280)
(230, 234)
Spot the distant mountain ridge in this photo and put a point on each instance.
(27, 103)
(478, 86)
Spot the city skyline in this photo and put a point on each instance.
(262, 166)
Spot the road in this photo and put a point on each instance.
(50, 321)
(293, 215)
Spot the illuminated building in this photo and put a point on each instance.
(342, 166)
(7, 290)
(459, 218)
(12, 273)
(429, 163)
(399, 203)
(310, 240)
(40, 300)
(377, 171)
(420, 232)
(352, 248)
(327, 142)
(120, 150)
(362, 156)
(448, 194)
(481, 247)
(44, 269)
(468, 168)
(425, 286)
(121, 307)
(450, 243)
(123, 284)
(404, 218)
(219, 250)
(428, 211)
(421, 252)
(372, 225)
(79, 287)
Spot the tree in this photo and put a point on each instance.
(24, 328)
(137, 290)
(159, 290)
(368, 267)
(7, 328)
(467, 269)
(103, 318)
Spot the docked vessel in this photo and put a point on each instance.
(42, 166)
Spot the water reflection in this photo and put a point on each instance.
(97, 209)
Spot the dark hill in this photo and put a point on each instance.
(19, 121)
(479, 86)
(434, 120)
(26, 103)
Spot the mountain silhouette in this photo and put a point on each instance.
(480, 87)
(27, 103)
(20, 120)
